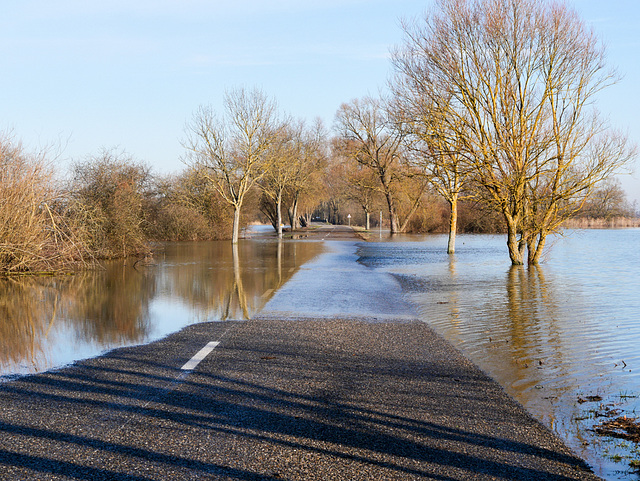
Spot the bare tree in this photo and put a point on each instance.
(362, 187)
(306, 184)
(516, 80)
(296, 157)
(283, 156)
(607, 202)
(233, 148)
(435, 147)
(35, 232)
(369, 136)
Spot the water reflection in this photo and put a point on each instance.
(28, 308)
(108, 307)
(550, 334)
(50, 321)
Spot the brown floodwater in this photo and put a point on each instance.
(47, 322)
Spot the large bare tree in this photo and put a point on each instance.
(434, 147)
(231, 150)
(516, 81)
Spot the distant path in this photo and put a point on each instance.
(345, 390)
(331, 232)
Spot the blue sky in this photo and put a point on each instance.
(129, 74)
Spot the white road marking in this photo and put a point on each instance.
(200, 355)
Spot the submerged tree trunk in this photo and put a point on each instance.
(453, 225)
(279, 214)
(236, 224)
(535, 248)
(393, 215)
(515, 245)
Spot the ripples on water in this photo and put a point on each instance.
(550, 335)
(46, 322)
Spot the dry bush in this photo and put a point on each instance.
(473, 218)
(601, 222)
(34, 236)
(188, 208)
(478, 218)
(431, 217)
(177, 222)
(110, 199)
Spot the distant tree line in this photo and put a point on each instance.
(489, 126)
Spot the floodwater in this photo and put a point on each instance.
(335, 285)
(551, 336)
(47, 322)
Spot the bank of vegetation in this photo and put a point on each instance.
(490, 125)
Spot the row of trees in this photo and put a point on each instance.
(492, 100)
(491, 111)
(252, 145)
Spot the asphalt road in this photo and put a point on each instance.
(336, 397)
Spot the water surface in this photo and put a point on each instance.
(47, 322)
(551, 335)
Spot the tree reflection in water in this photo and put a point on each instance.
(49, 321)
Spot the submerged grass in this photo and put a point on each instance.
(620, 431)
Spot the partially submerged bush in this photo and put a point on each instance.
(109, 203)
(34, 236)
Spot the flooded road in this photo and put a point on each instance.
(47, 322)
(335, 285)
(561, 338)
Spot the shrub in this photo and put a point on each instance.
(188, 208)
(110, 198)
(33, 235)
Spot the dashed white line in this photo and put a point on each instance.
(200, 355)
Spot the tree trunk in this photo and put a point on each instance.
(293, 213)
(535, 249)
(393, 216)
(295, 224)
(368, 219)
(513, 243)
(279, 214)
(453, 225)
(236, 224)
